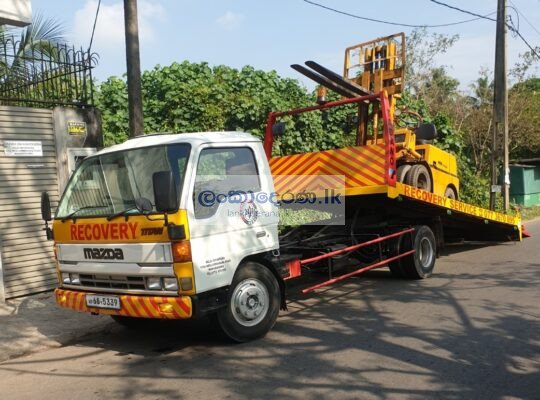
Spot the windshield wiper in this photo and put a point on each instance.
(72, 215)
(142, 205)
(122, 213)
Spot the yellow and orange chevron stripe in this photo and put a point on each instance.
(361, 166)
(132, 306)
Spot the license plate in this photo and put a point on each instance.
(100, 301)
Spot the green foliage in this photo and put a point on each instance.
(38, 40)
(193, 97)
(422, 48)
(290, 217)
(36, 64)
(530, 213)
(524, 119)
(111, 99)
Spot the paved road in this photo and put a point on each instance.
(472, 331)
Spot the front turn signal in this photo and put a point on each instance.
(181, 251)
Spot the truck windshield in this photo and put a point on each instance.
(110, 183)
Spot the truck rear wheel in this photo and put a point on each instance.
(253, 303)
(419, 177)
(420, 264)
(395, 268)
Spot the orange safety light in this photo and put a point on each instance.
(181, 251)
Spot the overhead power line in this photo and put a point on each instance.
(509, 26)
(524, 17)
(390, 22)
(533, 50)
(94, 27)
(462, 10)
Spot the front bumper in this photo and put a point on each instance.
(131, 306)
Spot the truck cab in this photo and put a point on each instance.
(158, 226)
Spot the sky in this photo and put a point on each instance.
(272, 34)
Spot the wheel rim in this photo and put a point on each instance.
(249, 302)
(425, 252)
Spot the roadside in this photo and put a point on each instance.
(530, 213)
(34, 323)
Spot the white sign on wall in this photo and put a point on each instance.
(23, 148)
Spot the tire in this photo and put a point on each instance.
(253, 304)
(395, 269)
(450, 192)
(420, 264)
(419, 177)
(402, 172)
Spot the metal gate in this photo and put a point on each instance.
(28, 166)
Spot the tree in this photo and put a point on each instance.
(37, 65)
(524, 119)
(422, 50)
(18, 47)
(192, 97)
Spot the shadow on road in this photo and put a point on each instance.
(341, 341)
(375, 336)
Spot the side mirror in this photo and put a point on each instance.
(165, 191)
(45, 207)
(278, 129)
(46, 214)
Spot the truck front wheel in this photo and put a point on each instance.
(253, 303)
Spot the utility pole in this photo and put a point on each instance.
(136, 122)
(500, 111)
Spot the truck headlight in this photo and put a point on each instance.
(75, 279)
(170, 284)
(153, 283)
(65, 278)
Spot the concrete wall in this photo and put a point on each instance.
(75, 129)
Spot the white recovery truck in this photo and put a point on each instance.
(186, 225)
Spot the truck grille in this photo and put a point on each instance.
(113, 282)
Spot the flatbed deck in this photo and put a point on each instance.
(366, 184)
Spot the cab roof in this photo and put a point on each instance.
(195, 139)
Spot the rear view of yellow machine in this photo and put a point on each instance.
(379, 65)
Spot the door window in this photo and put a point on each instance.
(221, 172)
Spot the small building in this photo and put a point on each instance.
(525, 182)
